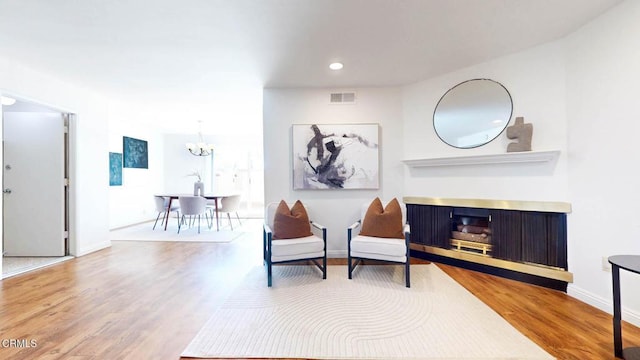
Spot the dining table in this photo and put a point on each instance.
(210, 196)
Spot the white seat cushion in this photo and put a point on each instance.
(300, 248)
(379, 248)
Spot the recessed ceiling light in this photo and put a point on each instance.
(336, 66)
(4, 100)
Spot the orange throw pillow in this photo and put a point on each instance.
(290, 224)
(385, 223)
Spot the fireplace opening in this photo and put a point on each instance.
(471, 230)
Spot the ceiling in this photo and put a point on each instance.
(218, 51)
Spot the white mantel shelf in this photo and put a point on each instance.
(506, 158)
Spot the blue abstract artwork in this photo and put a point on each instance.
(135, 153)
(115, 169)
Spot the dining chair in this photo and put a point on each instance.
(212, 207)
(162, 206)
(230, 204)
(193, 206)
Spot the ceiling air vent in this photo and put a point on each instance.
(343, 98)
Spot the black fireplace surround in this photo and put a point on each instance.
(522, 235)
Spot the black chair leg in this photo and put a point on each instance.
(264, 248)
(407, 274)
(324, 266)
(154, 224)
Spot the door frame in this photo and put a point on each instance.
(68, 117)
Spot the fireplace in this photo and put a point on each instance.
(471, 231)
(522, 240)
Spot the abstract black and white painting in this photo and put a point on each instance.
(335, 156)
(135, 153)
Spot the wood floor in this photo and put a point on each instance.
(147, 300)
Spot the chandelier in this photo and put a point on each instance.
(200, 148)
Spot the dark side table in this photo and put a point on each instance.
(629, 263)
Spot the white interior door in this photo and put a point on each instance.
(33, 184)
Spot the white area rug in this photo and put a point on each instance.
(373, 316)
(145, 232)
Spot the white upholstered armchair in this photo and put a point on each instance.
(286, 238)
(389, 246)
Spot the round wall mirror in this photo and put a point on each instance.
(472, 113)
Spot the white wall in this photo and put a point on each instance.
(603, 86)
(179, 163)
(133, 202)
(235, 116)
(535, 80)
(231, 157)
(88, 147)
(580, 93)
(335, 209)
(170, 165)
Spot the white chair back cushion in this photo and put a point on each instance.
(192, 205)
(230, 203)
(365, 207)
(270, 213)
(161, 203)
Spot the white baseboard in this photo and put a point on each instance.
(603, 304)
(93, 248)
(134, 224)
